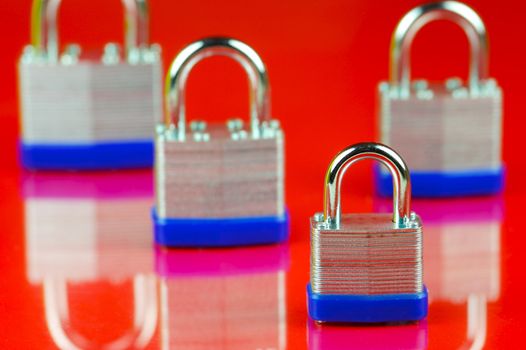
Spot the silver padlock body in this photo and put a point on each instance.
(436, 129)
(221, 177)
(89, 101)
(367, 255)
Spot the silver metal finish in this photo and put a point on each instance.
(44, 30)
(357, 152)
(418, 17)
(451, 126)
(219, 170)
(366, 254)
(68, 98)
(199, 50)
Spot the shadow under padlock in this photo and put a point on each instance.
(365, 337)
(450, 134)
(462, 255)
(88, 235)
(223, 298)
(85, 111)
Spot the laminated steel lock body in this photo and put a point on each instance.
(450, 133)
(219, 185)
(82, 112)
(366, 267)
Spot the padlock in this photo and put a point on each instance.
(221, 185)
(88, 111)
(367, 268)
(450, 133)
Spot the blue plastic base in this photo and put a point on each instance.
(220, 232)
(96, 156)
(449, 184)
(367, 308)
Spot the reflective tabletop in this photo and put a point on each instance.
(83, 273)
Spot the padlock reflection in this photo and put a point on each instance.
(462, 255)
(411, 336)
(88, 243)
(223, 298)
(462, 248)
(462, 258)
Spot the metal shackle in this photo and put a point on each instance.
(418, 17)
(44, 31)
(175, 111)
(357, 152)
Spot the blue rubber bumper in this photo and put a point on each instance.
(92, 156)
(366, 308)
(220, 232)
(446, 184)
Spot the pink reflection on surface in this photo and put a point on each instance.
(230, 298)
(221, 261)
(339, 337)
(88, 184)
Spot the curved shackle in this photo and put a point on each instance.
(175, 109)
(418, 17)
(44, 31)
(355, 153)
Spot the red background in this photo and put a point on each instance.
(325, 59)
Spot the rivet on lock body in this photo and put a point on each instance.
(80, 112)
(366, 268)
(219, 184)
(450, 133)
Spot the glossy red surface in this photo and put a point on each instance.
(77, 262)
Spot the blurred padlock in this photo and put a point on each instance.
(450, 133)
(88, 112)
(367, 267)
(219, 185)
(223, 298)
